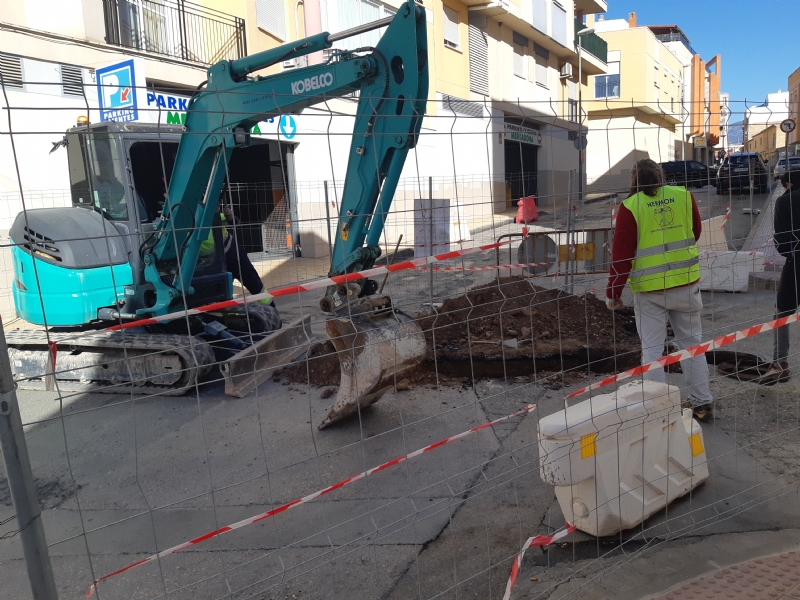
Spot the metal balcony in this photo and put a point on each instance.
(592, 43)
(175, 28)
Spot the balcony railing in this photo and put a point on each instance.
(175, 28)
(675, 37)
(592, 43)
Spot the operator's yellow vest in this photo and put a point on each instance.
(666, 253)
(207, 245)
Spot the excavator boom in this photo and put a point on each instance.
(392, 82)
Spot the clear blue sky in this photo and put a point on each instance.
(758, 39)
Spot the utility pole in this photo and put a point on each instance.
(581, 138)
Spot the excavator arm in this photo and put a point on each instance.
(392, 82)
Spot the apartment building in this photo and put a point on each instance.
(501, 120)
(768, 143)
(524, 65)
(701, 104)
(659, 100)
(634, 111)
(759, 119)
(54, 56)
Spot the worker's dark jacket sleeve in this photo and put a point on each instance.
(787, 223)
(626, 236)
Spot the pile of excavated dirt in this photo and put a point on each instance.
(498, 330)
(513, 329)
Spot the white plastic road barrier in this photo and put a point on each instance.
(728, 271)
(618, 458)
(712, 236)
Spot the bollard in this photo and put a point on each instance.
(21, 484)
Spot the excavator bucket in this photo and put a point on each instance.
(374, 351)
(246, 370)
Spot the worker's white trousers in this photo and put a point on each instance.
(682, 305)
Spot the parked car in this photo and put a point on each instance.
(737, 170)
(780, 168)
(688, 173)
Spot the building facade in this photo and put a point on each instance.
(659, 100)
(501, 121)
(759, 122)
(634, 111)
(794, 110)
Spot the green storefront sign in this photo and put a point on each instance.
(179, 118)
(524, 135)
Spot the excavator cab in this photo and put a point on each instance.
(89, 261)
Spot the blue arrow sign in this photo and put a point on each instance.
(288, 127)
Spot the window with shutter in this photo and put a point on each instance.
(270, 17)
(338, 15)
(478, 61)
(540, 15)
(451, 35)
(559, 32)
(541, 72)
(370, 12)
(71, 81)
(11, 71)
(519, 61)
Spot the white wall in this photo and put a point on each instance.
(39, 116)
(461, 153)
(616, 144)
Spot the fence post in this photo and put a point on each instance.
(430, 238)
(328, 220)
(21, 484)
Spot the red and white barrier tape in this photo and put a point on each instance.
(697, 350)
(436, 244)
(275, 511)
(537, 540)
(726, 217)
(614, 214)
(315, 284)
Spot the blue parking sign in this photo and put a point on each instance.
(116, 92)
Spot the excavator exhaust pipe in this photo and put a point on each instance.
(375, 349)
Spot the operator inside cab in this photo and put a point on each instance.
(236, 259)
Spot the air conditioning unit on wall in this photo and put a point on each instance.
(566, 70)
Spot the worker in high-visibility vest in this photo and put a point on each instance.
(236, 259)
(655, 252)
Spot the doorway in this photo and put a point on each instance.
(521, 169)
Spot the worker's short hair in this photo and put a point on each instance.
(646, 176)
(791, 176)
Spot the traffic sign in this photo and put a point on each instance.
(288, 127)
(788, 126)
(116, 92)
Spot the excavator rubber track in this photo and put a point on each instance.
(111, 362)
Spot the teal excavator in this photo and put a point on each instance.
(144, 199)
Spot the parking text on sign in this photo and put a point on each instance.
(524, 135)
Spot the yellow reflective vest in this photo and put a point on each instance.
(207, 245)
(666, 252)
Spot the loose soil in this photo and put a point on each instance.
(513, 329)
